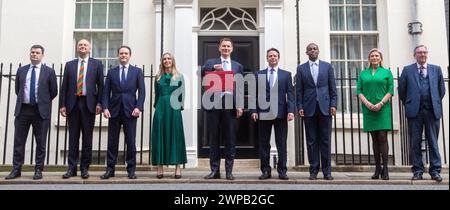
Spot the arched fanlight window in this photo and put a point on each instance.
(228, 18)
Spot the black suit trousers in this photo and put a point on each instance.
(29, 116)
(80, 120)
(264, 133)
(129, 128)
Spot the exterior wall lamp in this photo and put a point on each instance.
(415, 28)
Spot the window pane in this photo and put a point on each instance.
(82, 15)
(99, 16)
(353, 19)
(99, 45)
(339, 68)
(115, 16)
(115, 41)
(113, 62)
(369, 1)
(353, 47)
(353, 67)
(83, 0)
(369, 42)
(352, 1)
(369, 18)
(336, 1)
(337, 18)
(337, 47)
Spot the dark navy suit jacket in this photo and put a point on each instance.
(47, 90)
(286, 99)
(94, 85)
(115, 98)
(409, 86)
(306, 92)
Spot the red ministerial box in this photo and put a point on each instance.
(226, 78)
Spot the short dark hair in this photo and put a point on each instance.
(226, 39)
(419, 46)
(124, 46)
(37, 46)
(273, 49)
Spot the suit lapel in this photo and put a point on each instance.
(321, 72)
(308, 73)
(42, 73)
(75, 71)
(430, 72)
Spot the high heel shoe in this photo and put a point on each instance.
(177, 176)
(376, 175)
(159, 176)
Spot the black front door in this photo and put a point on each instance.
(246, 52)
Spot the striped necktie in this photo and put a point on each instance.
(80, 79)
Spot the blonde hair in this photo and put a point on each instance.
(161, 72)
(368, 57)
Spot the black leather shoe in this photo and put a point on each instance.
(385, 174)
(283, 177)
(84, 174)
(14, 174)
(109, 173)
(436, 177)
(132, 175)
(69, 173)
(213, 175)
(159, 176)
(37, 174)
(417, 177)
(312, 176)
(265, 175)
(229, 176)
(328, 177)
(177, 176)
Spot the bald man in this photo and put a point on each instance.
(80, 101)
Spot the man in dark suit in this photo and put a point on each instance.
(276, 85)
(35, 87)
(421, 89)
(80, 101)
(222, 118)
(122, 108)
(316, 103)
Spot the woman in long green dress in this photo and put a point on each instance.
(168, 142)
(375, 87)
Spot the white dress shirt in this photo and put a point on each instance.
(275, 74)
(425, 70)
(314, 66)
(125, 69)
(37, 70)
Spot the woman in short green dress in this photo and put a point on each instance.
(168, 142)
(375, 87)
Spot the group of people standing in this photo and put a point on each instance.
(84, 94)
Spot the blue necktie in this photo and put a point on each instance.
(123, 78)
(32, 86)
(225, 65)
(272, 78)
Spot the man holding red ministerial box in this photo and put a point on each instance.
(221, 109)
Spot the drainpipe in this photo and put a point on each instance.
(298, 31)
(415, 27)
(162, 27)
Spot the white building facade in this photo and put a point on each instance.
(345, 30)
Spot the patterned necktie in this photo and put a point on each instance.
(33, 86)
(80, 79)
(272, 78)
(422, 71)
